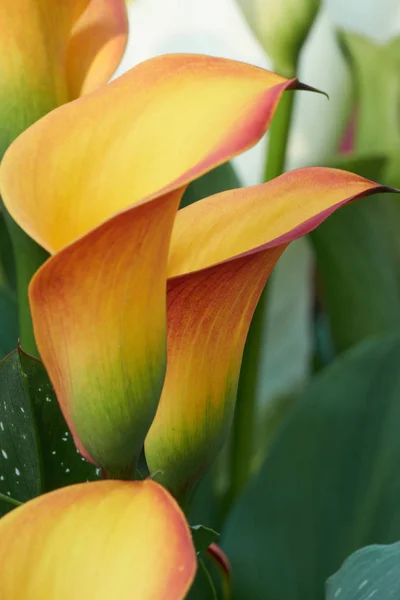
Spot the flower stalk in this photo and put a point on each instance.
(246, 404)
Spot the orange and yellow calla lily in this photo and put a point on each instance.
(108, 539)
(222, 252)
(53, 52)
(103, 199)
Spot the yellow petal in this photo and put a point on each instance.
(102, 540)
(223, 250)
(34, 35)
(97, 44)
(162, 124)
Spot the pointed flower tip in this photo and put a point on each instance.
(308, 88)
(387, 189)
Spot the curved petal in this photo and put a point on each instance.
(99, 305)
(163, 123)
(108, 539)
(223, 250)
(97, 44)
(98, 310)
(34, 36)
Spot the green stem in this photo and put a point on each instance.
(245, 413)
(28, 256)
(209, 579)
(10, 500)
(278, 137)
(243, 423)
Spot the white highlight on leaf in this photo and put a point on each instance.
(4, 453)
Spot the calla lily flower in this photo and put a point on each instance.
(108, 539)
(54, 52)
(103, 199)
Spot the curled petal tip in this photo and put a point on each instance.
(308, 88)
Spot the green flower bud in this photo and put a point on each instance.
(281, 26)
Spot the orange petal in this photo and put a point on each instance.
(98, 310)
(164, 123)
(97, 44)
(103, 540)
(222, 252)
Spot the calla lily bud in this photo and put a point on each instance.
(281, 26)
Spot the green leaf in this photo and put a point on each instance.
(218, 180)
(329, 485)
(8, 321)
(29, 256)
(372, 572)
(358, 262)
(287, 345)
(7, 266)
(8, 306)
(20, 464)
(37, 453)
(203, 537)
(204, 586)
(62, 463)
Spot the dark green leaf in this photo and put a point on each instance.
(358, 263)
(203, 537)
(218, 180)
(20, 465)
(29, 257)
(286, 353)
(8, 306)
(205, 503)
(372, 572)
(329, 485)
(204, 586)
(62, 463)
(8, 321)
(37, 453)
(7, 266)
